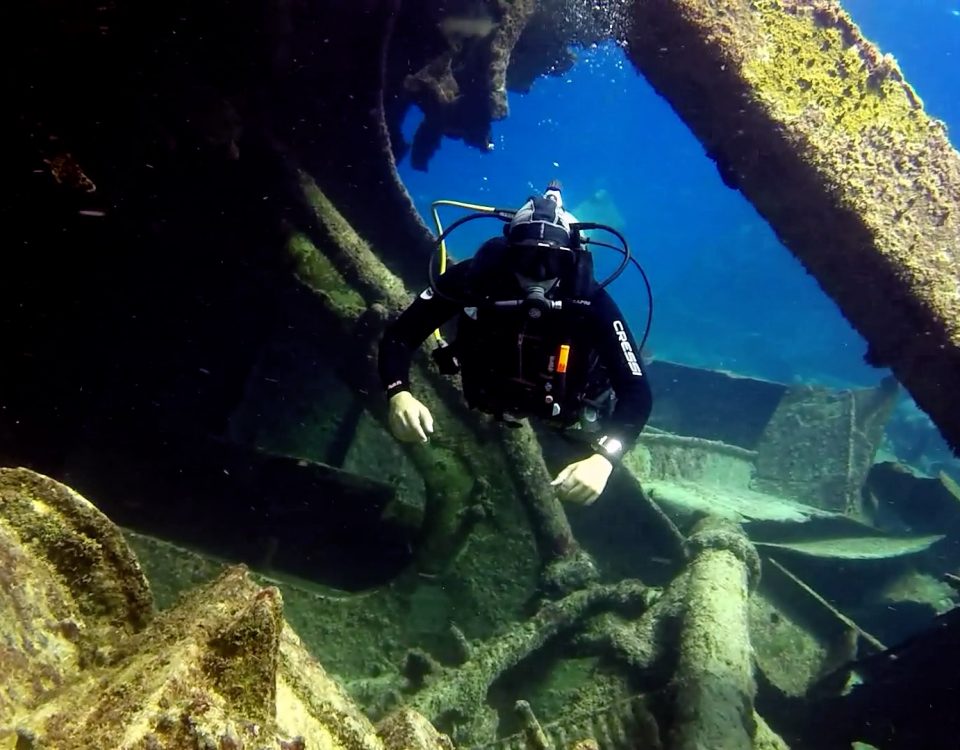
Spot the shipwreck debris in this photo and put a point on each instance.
(220, 669)
(455, 695)
(69, 590)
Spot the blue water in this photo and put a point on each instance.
(728, 294)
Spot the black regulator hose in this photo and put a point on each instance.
(646, 283)
(507, 215)
(499, 213)
(625, 250)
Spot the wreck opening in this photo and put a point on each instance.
(729, 295)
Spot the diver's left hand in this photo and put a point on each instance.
(583, 481)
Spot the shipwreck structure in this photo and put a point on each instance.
(210, 238)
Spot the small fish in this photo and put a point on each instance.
(91, 212)
(463, 27)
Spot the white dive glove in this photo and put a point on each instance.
(410, 421)
(583, 481)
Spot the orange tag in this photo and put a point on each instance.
(562, 358)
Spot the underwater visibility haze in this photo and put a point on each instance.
(521, 374)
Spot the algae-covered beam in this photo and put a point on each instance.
(714, 686)
(532, 729)
(645, 644)
(328, 112)
(450, 459)
(567, 566)
(821, 132)
(359, 294)
(455, 695)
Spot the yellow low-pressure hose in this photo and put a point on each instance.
(443, 243)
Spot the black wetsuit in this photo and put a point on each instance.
(596, 324)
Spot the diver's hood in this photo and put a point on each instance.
(543, 242)
(542, 255)
(541, 221)
(541, 252)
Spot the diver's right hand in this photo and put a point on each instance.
(410, 420)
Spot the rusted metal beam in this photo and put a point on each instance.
(821, 132)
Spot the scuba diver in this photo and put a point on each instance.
(537, 336)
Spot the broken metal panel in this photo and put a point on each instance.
(899, 499)
(820, 444)
(858, 548)
(664, 456)
(685, 500)
(787, 650)
(824, 136)
(712, 404)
